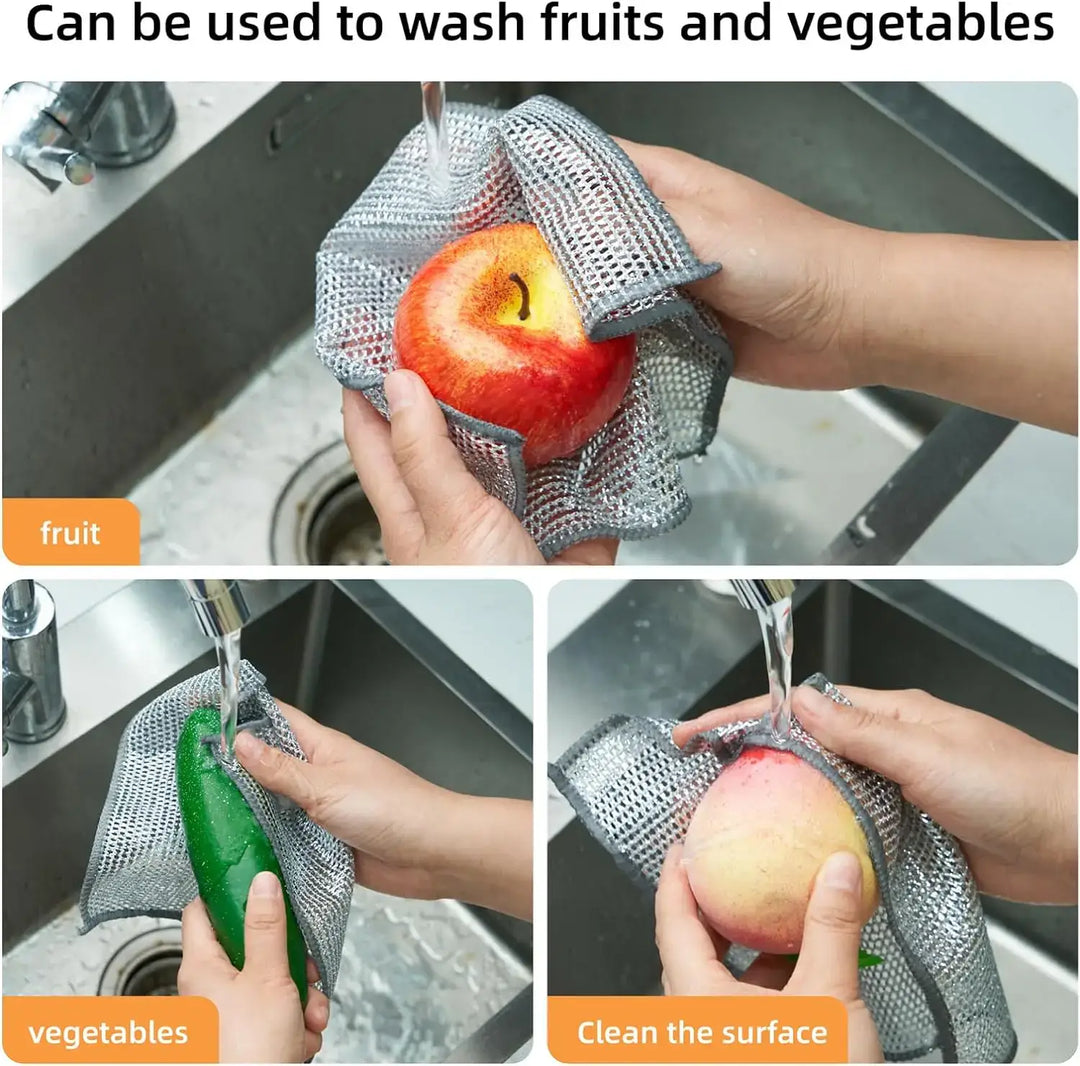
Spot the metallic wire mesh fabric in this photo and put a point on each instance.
(139, 864)
(623, 259)
(937, 989)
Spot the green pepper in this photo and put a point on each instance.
(226, 844)
(866, 960)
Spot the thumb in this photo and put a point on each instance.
(430, 465)
(873, 736)
(274, 770)
(828, 963)
(265, 953)
(688, 954)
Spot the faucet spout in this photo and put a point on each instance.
(219, 605)
(19, 602)
(62, 131)
(756, 594)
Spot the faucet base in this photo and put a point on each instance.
(137, 123)
(36, 710)
(14, 735)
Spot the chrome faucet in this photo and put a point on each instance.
(34, 707)
(219, 605)
(756, 594)
(62, 131)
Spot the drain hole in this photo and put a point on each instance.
(323, 517)
(147, 965)
(154, 977)
(344, 530)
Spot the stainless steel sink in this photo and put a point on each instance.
(694, 649)
(420, 980)
(181, 370)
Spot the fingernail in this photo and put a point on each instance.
(815, 701)
(265, 884)
(248, 746)
(400, 391)
(842, 871)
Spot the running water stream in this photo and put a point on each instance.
(779, 637)
(228, 656)
(433, 105)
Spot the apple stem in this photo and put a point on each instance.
(524, 312)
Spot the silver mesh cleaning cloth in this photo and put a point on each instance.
(139, 864)
(623, 259)
(937, 989)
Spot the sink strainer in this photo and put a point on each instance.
(146, 965)
(324, 517)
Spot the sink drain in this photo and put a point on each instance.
(323, 516)
(146, 965)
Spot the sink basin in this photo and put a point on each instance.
(694, 649)
(420, 980)
(182, 373)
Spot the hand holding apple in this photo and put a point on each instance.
(491, 327)
(430, 507)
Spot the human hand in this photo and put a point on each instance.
(431, 509)
(828, 963)
(409, 837)
(814, 302)
(1009, 799)
(259, 1011)
(792, 279)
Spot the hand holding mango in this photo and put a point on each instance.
(1011, 800)
(827, 965)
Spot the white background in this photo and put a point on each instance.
(670, 59)
(534, 59)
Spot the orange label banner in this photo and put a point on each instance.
(630, 1029)
(71, 532)
(115, 1029)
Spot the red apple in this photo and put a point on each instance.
(490, 325)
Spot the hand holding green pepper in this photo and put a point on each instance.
(409, 837)
(261, 1019)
